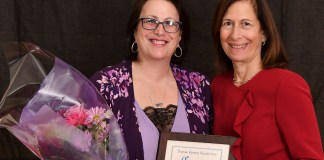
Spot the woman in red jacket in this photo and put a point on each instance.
(256, 99)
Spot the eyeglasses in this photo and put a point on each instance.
(168, 26)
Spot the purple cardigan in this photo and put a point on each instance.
(116, 86)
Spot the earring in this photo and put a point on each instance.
(263, 43)
(132, 48)
(178, 55)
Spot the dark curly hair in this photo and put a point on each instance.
(132, 24)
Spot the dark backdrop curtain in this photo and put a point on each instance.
(92, 34)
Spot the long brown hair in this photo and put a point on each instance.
(273, 54)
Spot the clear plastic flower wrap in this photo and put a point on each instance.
(64, 117)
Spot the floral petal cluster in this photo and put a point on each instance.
(93, 121)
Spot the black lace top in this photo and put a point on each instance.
(162, 118)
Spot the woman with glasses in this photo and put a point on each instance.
(256, 99)
(149, 93)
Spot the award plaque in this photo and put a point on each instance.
(186, 146)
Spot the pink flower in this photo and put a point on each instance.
(76, 115)
(92, 121)
(95, 115)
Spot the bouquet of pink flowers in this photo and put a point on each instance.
(93, 121)
(65, 118)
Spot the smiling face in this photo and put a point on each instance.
(241, 34)
(157, 44)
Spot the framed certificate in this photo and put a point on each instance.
(186, 146)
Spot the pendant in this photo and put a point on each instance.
(158, 105)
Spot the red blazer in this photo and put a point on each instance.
(272, 115)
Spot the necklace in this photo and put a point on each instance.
(240, 81)
(244, 81)
(158, 104)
